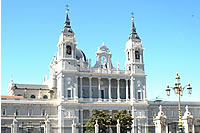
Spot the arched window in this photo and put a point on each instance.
(128, 56)
(137, 55)
(19, 94)
(45, 97)
(68, 50)
(33, 96)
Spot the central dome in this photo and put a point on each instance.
(80, 55)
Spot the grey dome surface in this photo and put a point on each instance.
(80, 55)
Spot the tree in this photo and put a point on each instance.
(104, 120)
(125, 120)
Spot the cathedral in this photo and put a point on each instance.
(65, 100)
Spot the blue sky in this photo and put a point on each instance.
(169, 29)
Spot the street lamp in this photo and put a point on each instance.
(178, 89)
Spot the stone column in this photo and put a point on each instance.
(144, 93)
(62, 87)
(99, 88)
(96, 127)
(141, 60)
(118, 90)
(132, 89)
(160, 121)
(118, 126)
(81, 87)
(90, 87)
(109, 89)
(188, 121)
(127, 90)
(133, 55)
(60, 119)
(76, 89)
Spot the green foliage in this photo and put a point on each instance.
(104, 121)
(125, 120)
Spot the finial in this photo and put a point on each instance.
(67, 8)
(118, 121)
(96, 121)
(160, 107)
(132, 17)
(186, 108)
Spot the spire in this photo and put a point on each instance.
(133, 34)
(67, 27)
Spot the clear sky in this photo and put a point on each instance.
(169, 29)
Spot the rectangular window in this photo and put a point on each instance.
(17, 111)
(29, 131)
(137, 55)
(102, 94)
(69, 93)
(41, 130)
(3, 111)
(139, 95)
(43, 113)
(30, 112)
(3, 130)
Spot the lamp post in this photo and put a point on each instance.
(178, 89)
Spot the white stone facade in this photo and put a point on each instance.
(74, 88)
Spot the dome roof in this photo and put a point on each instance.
(80, 55)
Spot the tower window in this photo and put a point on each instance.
(3, 111)
(45, 97)
(137, 55)
(139, 95)
(128, 56)
(43, 113)
(69, 50)
(17, 111)
(69, 93)
(33, 96)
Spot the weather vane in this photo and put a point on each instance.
(67, 7)
(132, 15)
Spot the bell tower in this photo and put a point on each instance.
(67, 46)
(134, 65)
(134, 52)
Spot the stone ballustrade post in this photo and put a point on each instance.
(81, 117)
(47, 125)
(14, 128)
(73, 127)
(96, 127)
(160, 121)
(118, 126)
(188, 121)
